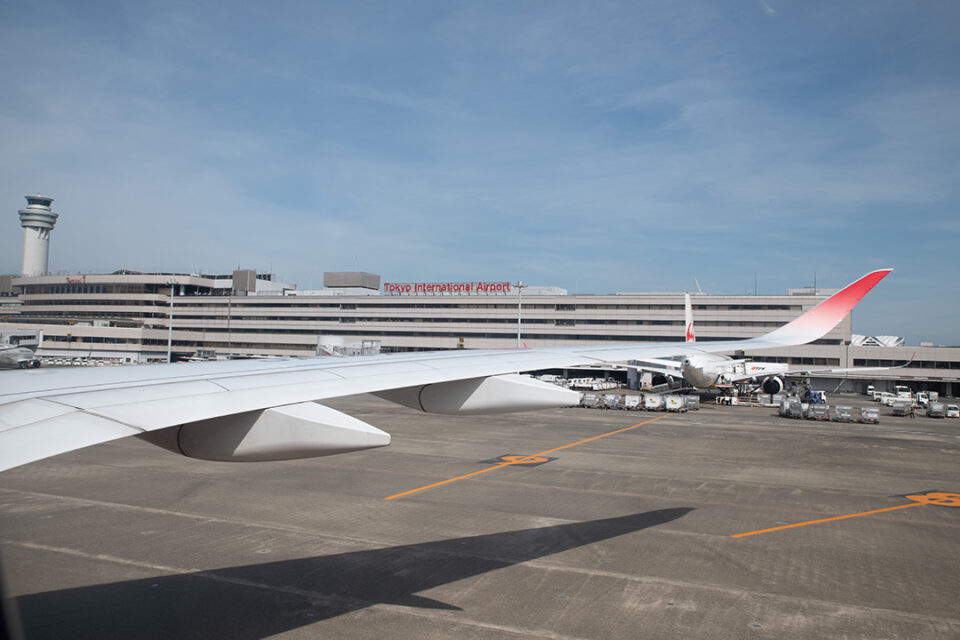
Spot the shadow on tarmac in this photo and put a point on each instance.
(260, 600)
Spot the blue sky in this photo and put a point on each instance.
(596, 146)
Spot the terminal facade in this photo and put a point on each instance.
(131, 317)
(126, 317)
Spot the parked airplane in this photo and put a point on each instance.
(245, 410)
(707, 370)
(17, 356)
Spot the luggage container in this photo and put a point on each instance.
(819, 412)
(653, 402)
(843, 413)
(590, 400)
(612, 400)
(791, 408)
(901, 408)
(936, 410)
(692, 402)
(631, 402)
(869, 415)
(675, 404)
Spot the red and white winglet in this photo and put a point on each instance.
(818, 322)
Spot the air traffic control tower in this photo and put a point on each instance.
(37, 221)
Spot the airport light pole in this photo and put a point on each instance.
(520, 288)
(173, 293)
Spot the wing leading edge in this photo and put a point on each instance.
(45, 412)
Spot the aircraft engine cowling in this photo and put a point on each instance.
(476, 396)
(771, 385)
(304, 430)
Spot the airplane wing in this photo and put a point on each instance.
(267, 409)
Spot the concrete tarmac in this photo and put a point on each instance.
(628, 535)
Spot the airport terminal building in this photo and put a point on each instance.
(135, 317)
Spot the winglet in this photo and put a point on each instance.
(820, 320)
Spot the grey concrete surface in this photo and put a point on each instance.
(624, 536)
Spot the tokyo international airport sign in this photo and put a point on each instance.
(445, 288)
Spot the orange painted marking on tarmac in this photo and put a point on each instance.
(512, 460)
(803, 524)
(524, 459)
(442, 482)
(938, 498)
(602, 435)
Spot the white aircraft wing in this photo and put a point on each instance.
(266, 409)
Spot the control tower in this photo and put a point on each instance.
(37, 221)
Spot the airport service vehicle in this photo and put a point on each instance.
(952, 411)
(936, 410)
(269, 409)
(869, 390)
(886, 398)
(924, 397)
(902, 392)
(814, 397)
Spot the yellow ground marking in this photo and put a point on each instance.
(512, 460)
(932, 497)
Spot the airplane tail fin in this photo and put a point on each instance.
(820, 320)
(688, 318)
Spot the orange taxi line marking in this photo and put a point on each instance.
(803, 524)
(522, 459)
